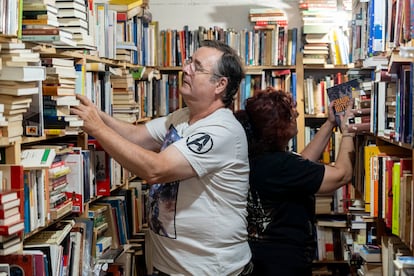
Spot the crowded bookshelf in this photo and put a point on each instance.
(66, 205)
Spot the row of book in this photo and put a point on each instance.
(393, 103)
(111, 222)
(99, 26)
(380, 26)
(276, 47)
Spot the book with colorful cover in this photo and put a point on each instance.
(102, 168)
(341, 94)
(20, 264)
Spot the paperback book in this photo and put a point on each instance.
(340, 95)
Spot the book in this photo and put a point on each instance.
(4, 213)
(331, 223)
(10, 220)
(40, 266)
(75, 186)
(88, 240)
(12, 229)
(40, 31)
(12, 179)
(28, 73)
(52, 253)
(17, 88)
(37, 158)
(7, 196)
(15, 248)
(9, 241)
(370, 253)
(102, 165)
(56, 90)
(341, 94)
(20, 264)
(54, 234)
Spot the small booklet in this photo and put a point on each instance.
(341, 94)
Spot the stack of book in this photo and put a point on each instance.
(324, 29)
(19, 87)
(370, 253)
(59, 94)
(73, 17)
(40, 24)
(267, 18)
(56, 246)
(124, 104)
(11, 223)
(271, 37)
(323, 204)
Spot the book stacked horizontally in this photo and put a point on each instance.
(324, 29)
(19, 87)
(73, 17)
(40, 24)
(124, 104)
(270, 38)
(59, 95)
(11, 222)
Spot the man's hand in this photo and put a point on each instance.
(89, 113)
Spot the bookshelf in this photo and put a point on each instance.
(61, 204)
(394, 63)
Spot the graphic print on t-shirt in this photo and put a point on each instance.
(163, 198)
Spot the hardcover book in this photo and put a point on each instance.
(20, 264)
(341, 94)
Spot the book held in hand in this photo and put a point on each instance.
(341, 94)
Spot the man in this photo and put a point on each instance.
(197, 160)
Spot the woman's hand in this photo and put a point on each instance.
(331, 114)
(345, 119)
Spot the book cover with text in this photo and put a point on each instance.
(341, 94)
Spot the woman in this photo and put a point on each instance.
(283, 184)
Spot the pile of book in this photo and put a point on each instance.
(40, 23)
(19, 87)
(11, 223)
(73, 17)
(273, 42)
(324, 32)
(58, 92)
(124, 104)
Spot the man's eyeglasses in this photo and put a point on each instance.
(196, 68)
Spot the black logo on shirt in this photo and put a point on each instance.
(200, 143)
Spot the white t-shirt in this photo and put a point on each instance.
(199, 224)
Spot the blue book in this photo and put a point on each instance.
(293, 86)
(371, 27)
(26, 202)
(294, 45)
(120, 216)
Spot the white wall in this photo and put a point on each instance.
(175, 14)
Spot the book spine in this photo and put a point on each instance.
(51, 31)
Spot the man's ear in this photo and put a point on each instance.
(221, 84)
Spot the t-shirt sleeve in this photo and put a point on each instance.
(157, 128)
(288, 173)
(306, 175)
(210, 148)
